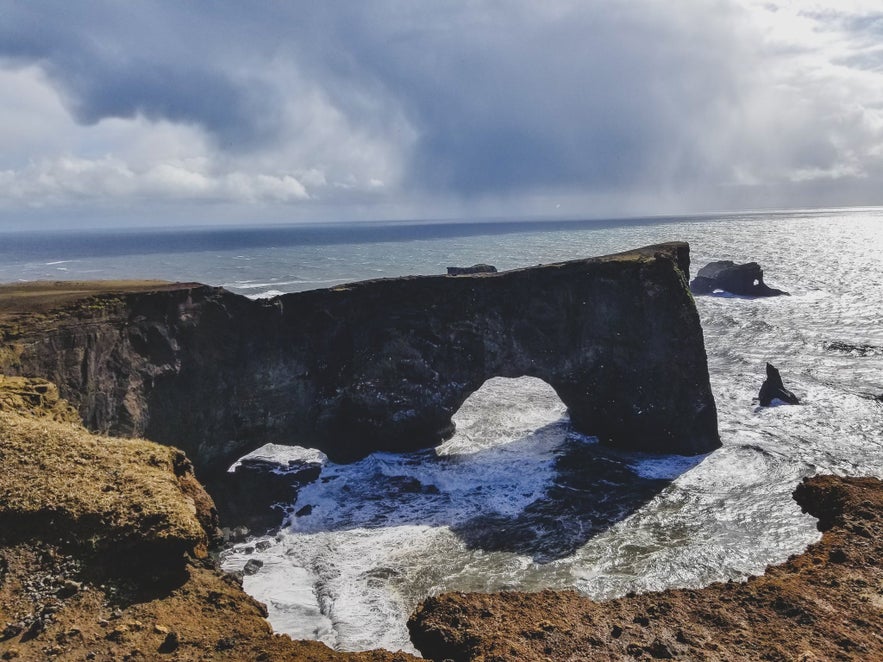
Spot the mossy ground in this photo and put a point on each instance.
(58, 475)
(103, 549)
(43, 296)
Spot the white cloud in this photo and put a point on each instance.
(107, 180)
(52, 161)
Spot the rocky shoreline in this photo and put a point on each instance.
(824, 604)
(103, 556)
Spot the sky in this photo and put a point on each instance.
(164, 113)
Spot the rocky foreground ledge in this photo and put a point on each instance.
(824, 604)
(104, 549)
(103, 557)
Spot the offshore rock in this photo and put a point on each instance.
(474, 269)
(740, 279)
(256, 493)
(376, 365)
(774, 389)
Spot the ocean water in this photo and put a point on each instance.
(517, 499)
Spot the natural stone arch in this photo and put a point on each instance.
(383, 365)
(506, 409)
(618, 338)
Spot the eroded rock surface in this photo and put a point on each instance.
(825, 604)
(378, 365)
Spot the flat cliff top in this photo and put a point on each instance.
(42, 295)
(824, 604)
(676, 251)
(23, 298)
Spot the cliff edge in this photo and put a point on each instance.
(103, 549)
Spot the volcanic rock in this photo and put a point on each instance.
(377, 365)
(255, 494)
(252, 566)
(773, 389)
(740, 279)
(474, 269)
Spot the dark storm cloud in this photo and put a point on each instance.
(502, 98)
(469, 101)
(113, 59)
(505, 97)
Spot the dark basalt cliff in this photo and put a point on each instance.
(378, 365)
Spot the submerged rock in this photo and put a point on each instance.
(252, 566)
(741, 279)
(853, 349)
(773, 389)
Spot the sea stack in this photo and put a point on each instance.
(739, 279)
(773, 390)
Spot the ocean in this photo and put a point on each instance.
(517, 499)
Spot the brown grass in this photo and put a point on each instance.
(94, 541)
(101, 487)
(42, 296)
(56, 474)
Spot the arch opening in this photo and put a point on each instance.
(502, 410)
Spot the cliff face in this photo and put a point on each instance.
(379, 365)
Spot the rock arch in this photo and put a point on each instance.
(383, 365)
(618, 338)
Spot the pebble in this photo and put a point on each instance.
(68, 588)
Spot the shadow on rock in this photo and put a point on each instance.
(252, 499)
